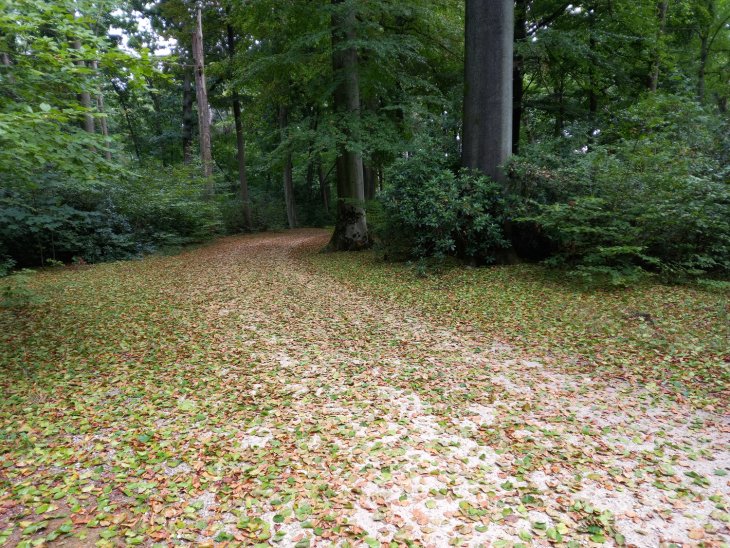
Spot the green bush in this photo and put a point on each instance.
(118, 219)
(651, 196)
(430, 211)
(14, 290)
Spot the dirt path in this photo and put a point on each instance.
(275, 405)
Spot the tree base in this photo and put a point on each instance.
(351, 231)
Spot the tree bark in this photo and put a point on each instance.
(487, 139)
(324, 189)
(592, 78)
(125, 108)
(518, 86)
(8, 63)
(704, 54)
(187, 118)
(85, 97)
(240, 143)
(291, 214)
(351, 231)
(103, 126)
(369, 182)
(662, 8)
(241, 157)
(203, 108)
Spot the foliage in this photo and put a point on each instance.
(136, 214)
(650, 194)
(15, 292)
(428, 210)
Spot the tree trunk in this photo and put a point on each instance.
(240, 143)
(201, 91)
(592, 83)
(125, 108)
(324, 189)
(704, 54)
(187, 118)
(291, 214)
(518, 85)
(241, 157)
(8, 63)
(351, 231)
(103, 126)
(560, 110)
(369, 180)
(85, 97)
(662, 8)
(487, 139)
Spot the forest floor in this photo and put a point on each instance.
(253, 391)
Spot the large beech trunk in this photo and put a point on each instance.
(351, 231)
(487, 139)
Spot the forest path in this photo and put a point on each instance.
(255, 399)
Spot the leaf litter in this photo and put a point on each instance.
(237, 394)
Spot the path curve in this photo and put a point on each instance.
(341, 418)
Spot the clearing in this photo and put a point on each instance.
(238, 394)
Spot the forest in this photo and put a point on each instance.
(382, 273)
(617, 164)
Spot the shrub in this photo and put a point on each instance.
(430, 211)
(118, 219)
(14, 290)
(651, 196)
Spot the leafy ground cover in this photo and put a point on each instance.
(676, 337)
(240, 394)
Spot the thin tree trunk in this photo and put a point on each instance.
(187, 118)
(518, 85)
(351, 231)
(369, 182)
(241, 157)
(85, 97)
(130, 126)
(592, 43)
(240, 143)
(201, 91)
(156, 121)
(103, 126)
(662, 8)
(324, 189)
(7, 63)
(560, 111)
(291, 214)
(704, 54)
(489, 34)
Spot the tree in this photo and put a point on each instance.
(202, 96)
(287, 176)
(487, 125)
(240, 142)
(351, 231)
